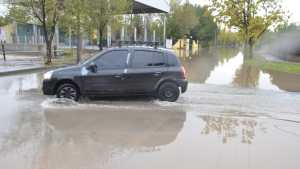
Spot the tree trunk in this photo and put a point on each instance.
(100, 39)
(48, 52)
(248, 49)
(79, 47)
(48, 41)
(251, 48)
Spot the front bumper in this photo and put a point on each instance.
(49, 87)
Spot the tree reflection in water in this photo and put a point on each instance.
(230, 127)
(247, 76)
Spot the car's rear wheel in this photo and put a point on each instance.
(168, 92)
(68, 91)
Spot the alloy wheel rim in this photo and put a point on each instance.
(169, 93)
(68, 92)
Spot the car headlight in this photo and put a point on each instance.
(48, 75)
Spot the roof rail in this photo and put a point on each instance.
(155, 44)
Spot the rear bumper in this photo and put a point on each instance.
(184, 85)
(49, 87)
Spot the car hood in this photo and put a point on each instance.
(67, 71)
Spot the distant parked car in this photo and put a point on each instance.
(120, 72)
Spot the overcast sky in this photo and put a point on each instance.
(291, 5)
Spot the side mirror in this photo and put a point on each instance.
(92, 68)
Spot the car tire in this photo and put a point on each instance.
(168, 92)
(68, 91)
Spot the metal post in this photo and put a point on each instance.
(123, 29)
(165, 30)
(35, 35)
(154, 34)
(16, 31)
(108, 39)
(3, 50)
(123, 34)
(145, 28)
(70, 37)
(135, 32)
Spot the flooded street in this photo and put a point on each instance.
(227, 67)
(232, 116)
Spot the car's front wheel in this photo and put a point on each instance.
(68, 91)
(168, 92)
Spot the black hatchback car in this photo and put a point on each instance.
(120, 72)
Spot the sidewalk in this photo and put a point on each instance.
(20, 63)
(15, 64)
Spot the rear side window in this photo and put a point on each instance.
(113, 60)
(144, 58)
(172, 60)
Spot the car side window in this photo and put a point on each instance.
(144, 58)
(112, 60)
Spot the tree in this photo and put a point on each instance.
(181, 19)
(286, 27)
(18, 14)
(252, 18)
(206, 29)
(102, 12)
(75, 17)
(44, 12)
(228, 39)
(3, 20)
(135, 22)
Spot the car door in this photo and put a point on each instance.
(109, 75)
(146, 68)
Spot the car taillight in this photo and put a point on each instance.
(183, 71)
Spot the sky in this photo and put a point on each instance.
(291, 5)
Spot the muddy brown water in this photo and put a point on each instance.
(214, 125)
(227, 67)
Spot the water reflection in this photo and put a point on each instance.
(247, 76)
(15, 85)
(229, 127)
(11, 89)
(227, 67)
(20, 122)
(100, 134)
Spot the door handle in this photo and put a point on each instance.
(118, 76)
(122, 77)
(157, 74)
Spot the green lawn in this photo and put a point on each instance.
(287, 67)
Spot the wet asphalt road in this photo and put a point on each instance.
(210, 127)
